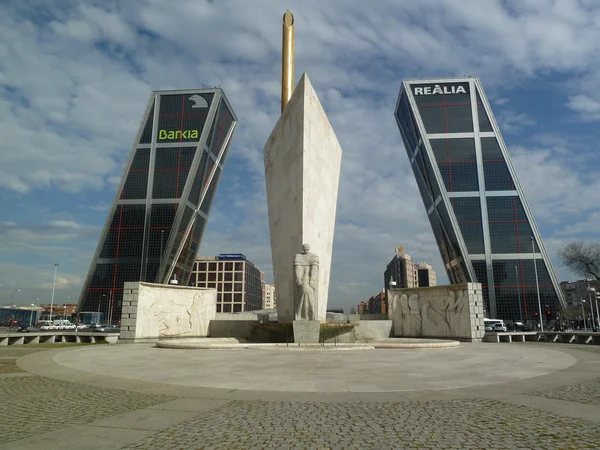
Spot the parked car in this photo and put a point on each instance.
(107, 329)
(499, 327)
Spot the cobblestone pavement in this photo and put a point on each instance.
(587, 392)
(30, 405)
(472, 423)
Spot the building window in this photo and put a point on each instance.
(238, 287)
(229, 266)
(227, 307)
(239, 266)
(227, 297)
(219, 308)
(238, 276)
(212, 276)
(219, 297)
(237, 307)
(212, 285)
(201, 277)
(220, 276)
(202, 267)
(212, 266)
(237, 297)
(228, 276)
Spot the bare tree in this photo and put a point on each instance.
(583, 258)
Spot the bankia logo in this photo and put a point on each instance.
(439, 89)
(199, 101)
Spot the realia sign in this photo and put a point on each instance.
(439, 89)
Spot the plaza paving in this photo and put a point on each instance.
(139, 397)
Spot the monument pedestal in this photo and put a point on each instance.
(306, 331)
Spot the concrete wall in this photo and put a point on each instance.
(454, 311)
(152, 310)
(373, 330)
(231, 328)
(302, 169)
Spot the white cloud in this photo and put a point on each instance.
(510, 121)
(73, 90)
(587, 107)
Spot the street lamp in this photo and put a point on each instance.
(583, 313)
(53, 289)
(597, 309)
(590, 290)
(31, 317)
(519, 293)
(12, 296)
(537, 283)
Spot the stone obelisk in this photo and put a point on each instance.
(302, 170)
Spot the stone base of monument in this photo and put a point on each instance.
(306, 331)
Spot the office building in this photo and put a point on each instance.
(481, 221)
(575, 291)
(424, 275)
(377, 304)
(156, 221)
(270, 301)
(401, 270)
(239, 283)
(12, 317)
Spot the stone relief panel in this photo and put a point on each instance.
(435, 312)
(174, 311)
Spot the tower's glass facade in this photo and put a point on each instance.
(156, 221)
(483, 226)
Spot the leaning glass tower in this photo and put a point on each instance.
(482, 223)
(157, 218)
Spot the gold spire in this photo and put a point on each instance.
(287, 59)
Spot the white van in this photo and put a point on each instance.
(63, 325)
(494, 325)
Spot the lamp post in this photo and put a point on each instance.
(519, 293)
(537, 283)
(31, 317)
(597, 309)
(53, 289)
(12, 296)
(590, 290)
(583, 314)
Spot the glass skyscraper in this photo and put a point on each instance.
(157, 218)
(481, 221)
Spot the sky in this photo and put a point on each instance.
(75, 77)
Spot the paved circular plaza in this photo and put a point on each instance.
(492, 396)
(279, 369)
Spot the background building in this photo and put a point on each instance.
(401, 270)
(376, 304)
(12, 316)
(575, 291)
(155, 224)
(425, 275)
(239, 283)
(59, 311)
(479, 216)
(270, 297)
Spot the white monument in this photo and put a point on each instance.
(454, 311)
(152, 311)
(302, 170)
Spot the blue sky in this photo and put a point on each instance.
(75, 77)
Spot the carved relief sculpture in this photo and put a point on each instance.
(306, 276)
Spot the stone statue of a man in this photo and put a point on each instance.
(306, 274)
